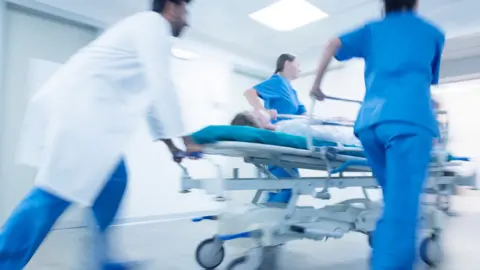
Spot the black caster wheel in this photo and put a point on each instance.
(431, 251)
(253, 260)
(210, 253)
(237, 264)
(220, 199)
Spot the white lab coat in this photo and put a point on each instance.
(34, 127)
(93, 105)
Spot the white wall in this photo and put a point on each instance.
(211, 93)
(345, 82)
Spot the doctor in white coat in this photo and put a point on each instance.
(79, 124)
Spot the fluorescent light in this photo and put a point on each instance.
(183, 54)
(287, 15)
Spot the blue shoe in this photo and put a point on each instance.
(271, 196)
(285, 195)
(280, 197)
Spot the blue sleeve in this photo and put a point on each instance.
(269, 89)
(436, 61)
(353, 45)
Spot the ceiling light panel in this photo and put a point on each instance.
(288, 15)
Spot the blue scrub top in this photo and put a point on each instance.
(278, 94)
(402, 54)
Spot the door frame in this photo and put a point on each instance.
(40, 10)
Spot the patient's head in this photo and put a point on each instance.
(253, 119)
(245, 119)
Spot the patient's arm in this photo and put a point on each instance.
(270, 126)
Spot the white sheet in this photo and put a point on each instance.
(338, 134)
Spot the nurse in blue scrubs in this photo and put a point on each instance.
(396, 124)
(278, 97)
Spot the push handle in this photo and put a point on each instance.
(311, 122)
(343, 99)
(178, 156)
(312, 118)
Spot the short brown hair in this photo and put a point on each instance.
(244, 119)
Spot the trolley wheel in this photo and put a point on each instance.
(237, 263)
(253, 260)
(210, 253)
(431, 251)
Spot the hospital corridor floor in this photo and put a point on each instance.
(170, 246)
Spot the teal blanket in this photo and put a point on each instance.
(213, 134)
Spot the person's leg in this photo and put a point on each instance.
(408, 155)
(285, 194)
(27, 227)
(375, 153)
(105, 209)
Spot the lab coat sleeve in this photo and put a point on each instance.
(155, 127)
(436, 61)
(353, 44)
(269, 89)
(151, 39)
(155, 124)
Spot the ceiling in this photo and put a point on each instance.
(226, 23)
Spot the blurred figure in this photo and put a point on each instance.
(396, 123)
(77, 128)
(278, 96)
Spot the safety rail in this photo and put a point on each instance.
(311, 117)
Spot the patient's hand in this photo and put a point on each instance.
(270, 126)
(273, 114)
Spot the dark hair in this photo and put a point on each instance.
(281, 61)
(159, 5)
(399, 5)
(244, 119)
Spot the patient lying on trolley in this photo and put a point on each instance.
(298, 127)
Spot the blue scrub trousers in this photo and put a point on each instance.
(35, 216)
(285, 194)
(399, 154)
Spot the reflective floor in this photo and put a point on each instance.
(171, 245)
